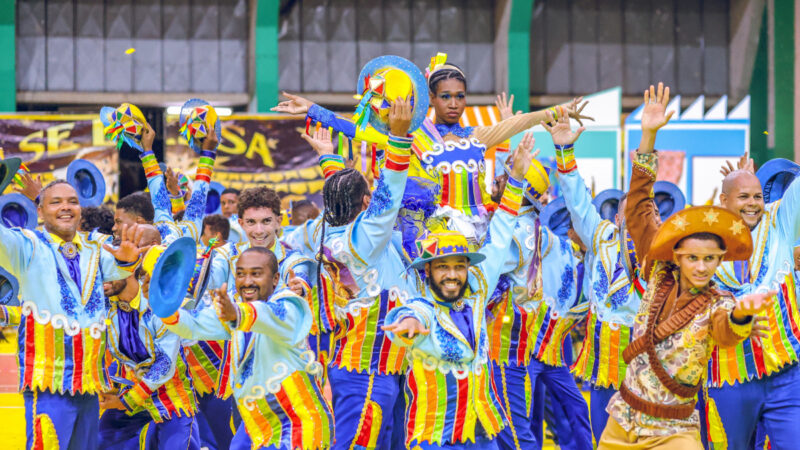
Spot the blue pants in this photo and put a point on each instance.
(120, 431)
(510, 382)
(548, 410)
(597, 407)
(74, 418)
(561, 386)
(349, 391)
(773, 400)
(214, 421)
(481, 443)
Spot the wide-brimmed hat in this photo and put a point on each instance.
(607, 203)
(555, 216)
(9, 289)
(171, 269)
(703, 219)
(442, 244)
(213, 198)
(8, 170)
(197, 119)
(669, 198)
(88, 181)
(16, 210)
(775, 176)
(381, 81)
(124, 124)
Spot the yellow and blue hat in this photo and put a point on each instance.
(8, 171)
(197, 119)
(442, 244)
(607, 203)
(123, 124)
(171, 269)
(88, 181)
(775, 176)
(669, 198)
(9, 289)
(16, 210)
(381, 81)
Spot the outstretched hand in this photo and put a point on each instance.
(752, 304)
(32, 186)
(320, 142)
(128, 250)
(506, 106)
(295, 104)
(148, 137)
(760, 329)
(654, 114)
(223, 305)
(520, 160)
(173, 185)
(575, 110)
(561, 131)
(744, 163)
(409, 327)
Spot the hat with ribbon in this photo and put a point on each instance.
(669, 198)
(607, 203)
(16, 210)
(555, 216)
(441, 244)
(9, 289)
(88, 181)
(775, 176)
(381, 82)
(703, 219)
(197, 119)
(171, 269)
(125, 123)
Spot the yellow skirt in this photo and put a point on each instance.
(616, 438)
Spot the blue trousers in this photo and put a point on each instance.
(120, 431)
(561, 385)
(214, 421)
(349, 391)
(773, 400)
(74, 418)
(481, 443)
(548, 410)
(597, 408)
(510, 382)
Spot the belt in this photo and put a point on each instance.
(656, 409)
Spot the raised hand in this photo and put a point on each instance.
(148, 136)
(173, 185)
(210, 142)
(400, 117)
(654, 115)
(321, 142)
(296, 284)
(561, 131)
(752, 304)
(128, 250)
(744, 163)
(521, 159)
(295, 104)
(409, 327)
(575, 110)
(223, 305)
(32, 186)
(506, 106)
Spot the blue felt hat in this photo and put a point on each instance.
(556, 217)
(607, 203)
(379, 83)
(16, 210)
(213, 201)
(775, 176)
(9, 289)
(196, 115)
(8, 168)
(669, 198)
(170, 275)
(88, 181)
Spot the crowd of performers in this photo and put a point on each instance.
(418, 307)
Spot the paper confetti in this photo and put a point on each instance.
(766, 132)
(130, 51)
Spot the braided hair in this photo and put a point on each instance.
(449, 72)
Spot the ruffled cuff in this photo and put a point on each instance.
(565, 158)
(136, 396)
(129, 266)
(647, 163)
(398, 153)
(330, 164)
(205, 166)
(150, 164)
(512, 196)
(178, 204)
(742, 330)
(246, 315)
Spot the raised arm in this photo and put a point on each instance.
(196, 208)
(410, 323)
(285, 317)
(17, 249)
(201, 324)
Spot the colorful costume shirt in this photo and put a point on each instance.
(271, 370)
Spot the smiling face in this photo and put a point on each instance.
(254, 278)
(260, 225)
(697, 259)
(60, 210)
(742, 195)
(449, 101)
(448, 277)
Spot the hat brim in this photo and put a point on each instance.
(213, 198)
(607, 203)
(669, 198)
(106, 114)
(555, 216)
(9, 289)
(88, 181)
(186, 110)
(420, 86)
(16, 210)
(9, 168)
(169, 282)
(739, 244)
(472, 257)
(775, 176)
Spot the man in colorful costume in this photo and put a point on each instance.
(446, 330)
(270, 369)
(61, 332)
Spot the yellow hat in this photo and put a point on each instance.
(703, 219)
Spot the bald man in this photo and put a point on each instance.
(759, 380)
